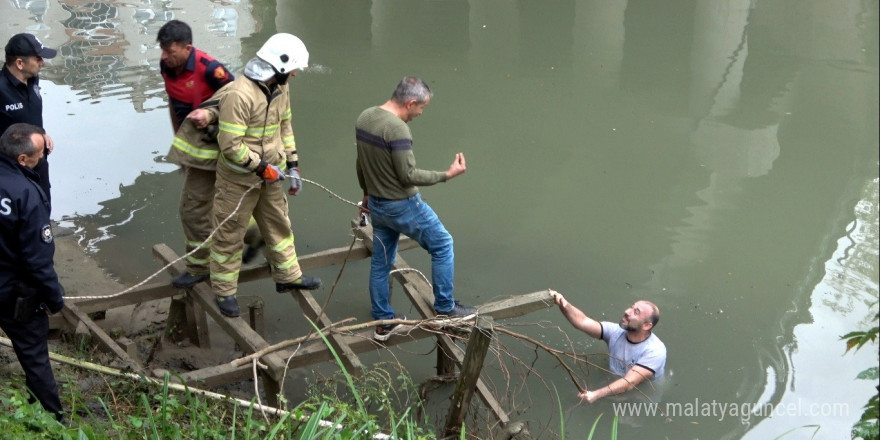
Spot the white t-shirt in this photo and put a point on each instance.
(650, 353)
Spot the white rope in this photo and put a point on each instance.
(410, 269)
(207, 240)
(155, 274)
(330, 192)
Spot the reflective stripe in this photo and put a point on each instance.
(223, 259)
(268, 130)
(240, 170)
(283, 244)
(289, 141)
(232, 128)
(287, 114)
(192, 150)
(198, 261)
(287, 264)
(226, 276)
(194, 244)
(241, 154)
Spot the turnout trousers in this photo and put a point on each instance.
(30, 342)
(268, 205)
(196, 201)
(196, 205)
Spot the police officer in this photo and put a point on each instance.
(20, 99)
(28, 282)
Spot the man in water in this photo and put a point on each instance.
(636, 354)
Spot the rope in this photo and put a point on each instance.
(337, 196)
(207, 240)
(410, 269)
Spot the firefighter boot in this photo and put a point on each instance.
(228, 306)
(304, 282)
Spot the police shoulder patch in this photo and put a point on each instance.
(46, 234)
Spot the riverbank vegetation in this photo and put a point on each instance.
(867, 427)
(119, 408)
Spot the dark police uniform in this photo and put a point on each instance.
(200, 78)
(28, 281)
(20, 102)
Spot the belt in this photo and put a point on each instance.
(385, 200)
(381, 199)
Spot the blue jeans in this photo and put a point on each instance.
(415, 219)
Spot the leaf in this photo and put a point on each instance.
(869, 374)
(866, 430)
(852, 342)
(137, 422)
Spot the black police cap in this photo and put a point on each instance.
(27, 45)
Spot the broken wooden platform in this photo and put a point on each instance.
(200, 306)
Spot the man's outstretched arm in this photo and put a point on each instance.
(636, 375)
(576, 317)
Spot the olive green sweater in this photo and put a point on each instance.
(386, 166)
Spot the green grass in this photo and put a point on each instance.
(382, 400)
(143, 413)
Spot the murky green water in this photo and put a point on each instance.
(718, 158)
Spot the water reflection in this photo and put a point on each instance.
(705, 154)
(108, 55)
(741, 101)
(110, 48)
(848, 289)
(37, 9)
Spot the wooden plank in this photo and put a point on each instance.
(175, 325)
(329, 257)
(518, 305)
(311, 353)
(215, 376)
(162, 289)
(236, 328)
(312, 309)
(145, 293)
(272, 389)
(197, 323)
(256, 318)
(445, 365)
(315, 352)
(129, 346)
(75, 316)
(471, 366)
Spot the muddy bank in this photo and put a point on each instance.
(144, 323)
(81, 275)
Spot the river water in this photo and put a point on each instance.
(719, 158)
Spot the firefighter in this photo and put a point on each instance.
(191, 76)
(257, 148)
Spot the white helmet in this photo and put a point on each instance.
(285, 53)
